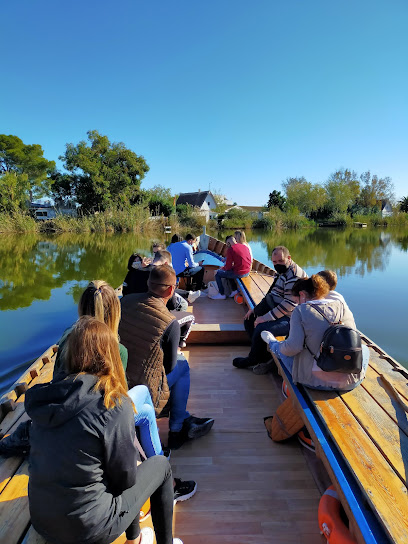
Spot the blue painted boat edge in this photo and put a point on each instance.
(371, 529)
(208, 252)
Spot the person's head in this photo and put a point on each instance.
(176, 238)
(331, 278)
(190, 239)
(230, 241)
(312, 288)
(281, 259)
(100, 301)
(240, 237)
(157, 246)
(162, 281)
(92, 348)
(162, 257)
(135, 257)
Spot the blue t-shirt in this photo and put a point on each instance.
(182, 256)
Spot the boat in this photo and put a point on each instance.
(251, 489)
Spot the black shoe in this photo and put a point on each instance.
(177, 439)
(166, 452)
(184, 490)
(198, 426)
(242, 362)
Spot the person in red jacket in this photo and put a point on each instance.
(238, 265)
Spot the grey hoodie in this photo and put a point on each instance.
(82, 458)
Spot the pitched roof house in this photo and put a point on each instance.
(203, 200)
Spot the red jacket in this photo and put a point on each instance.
(238, 260)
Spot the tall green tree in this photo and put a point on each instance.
(343, 190)
(375, 189)
(159, 199)
(24, 172)
(100, 173)
(304, 195)
(276, 200)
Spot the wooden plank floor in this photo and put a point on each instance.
(250, 489)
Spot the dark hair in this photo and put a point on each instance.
(176, 238)
(315, 286)
(160, 279)
(190, 237)
(285, 250)
(134, 257)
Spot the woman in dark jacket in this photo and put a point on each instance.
(85, 486)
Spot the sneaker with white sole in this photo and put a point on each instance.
(193, 295)
(268, 337)
(177, 541)
(147, 535)
(184, 490)
(218, 296)
(232, 295)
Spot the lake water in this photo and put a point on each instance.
(42, 277)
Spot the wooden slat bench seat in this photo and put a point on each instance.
(361, 436)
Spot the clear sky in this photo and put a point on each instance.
(230, 94)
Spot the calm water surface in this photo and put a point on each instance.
(42, 277)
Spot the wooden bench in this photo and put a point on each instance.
(361, 437)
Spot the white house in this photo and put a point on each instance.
(256, 212)
(386, 208)
(202, 200)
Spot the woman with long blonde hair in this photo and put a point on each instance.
(83, 460)
(240, 237)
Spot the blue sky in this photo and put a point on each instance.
(229, 94)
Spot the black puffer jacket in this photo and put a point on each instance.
(82, 458)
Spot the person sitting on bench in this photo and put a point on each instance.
(273, 312)
(152, 334)
(83, 459)
(182, 253)
(307, 327)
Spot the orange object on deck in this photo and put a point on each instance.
(239, 299)
(330, 521)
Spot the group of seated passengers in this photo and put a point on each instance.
(83, 457)
(289, 310)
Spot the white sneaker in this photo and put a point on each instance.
(177, 541)
(193, 295)
(217, 297)
(232, 295)
(267, 337)
(147, 535)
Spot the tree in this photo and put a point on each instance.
(24, 172)
(101, 174)
(343, 190)
(403, 204)
(159, 199)
(276, 200)
(303, 195)
(375, 189)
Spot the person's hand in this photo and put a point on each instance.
(248, 314)
(260, 319)
(146, 261)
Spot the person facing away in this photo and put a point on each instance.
(240, 237)
(273, 312)
(83, 460)
(183, 261)
(307, 327)
(331, 278)
(237, 265)
(152, 335)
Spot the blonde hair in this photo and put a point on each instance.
(93, 348)
(315, 286)
(240, 237)
(100, 301)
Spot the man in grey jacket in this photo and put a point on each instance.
(273, 312)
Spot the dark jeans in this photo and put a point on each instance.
(154, 479)
(259, 352)
(196, 274)
(229, 276)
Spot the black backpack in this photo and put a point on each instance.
(340, 348)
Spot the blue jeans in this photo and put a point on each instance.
(229, 275)
(178, 381)
(145, 419)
